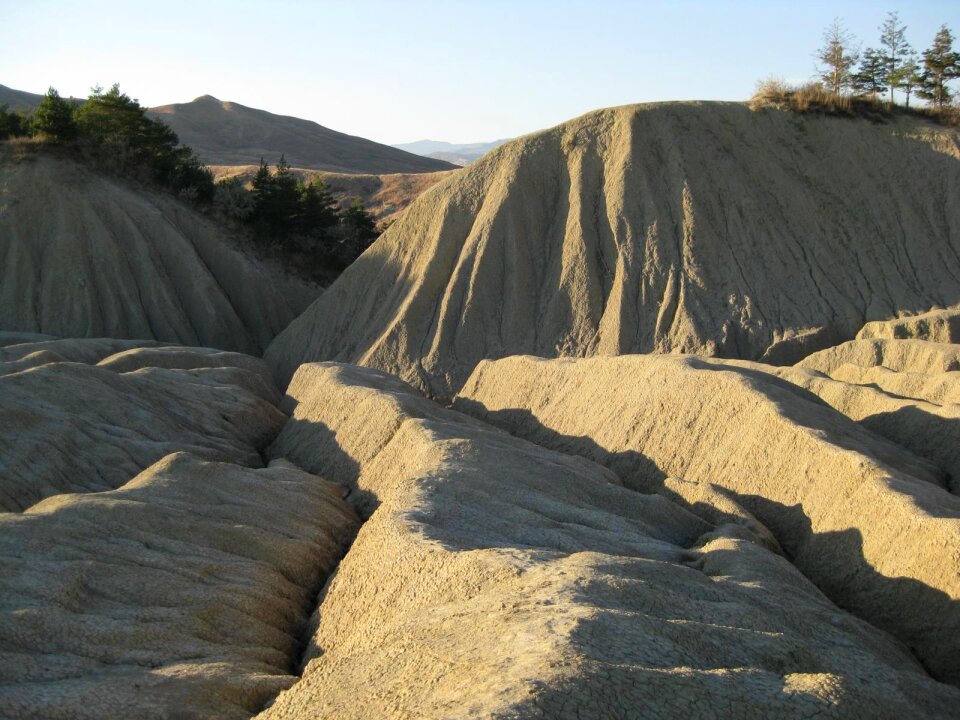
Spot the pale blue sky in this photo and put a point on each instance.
(456, 70)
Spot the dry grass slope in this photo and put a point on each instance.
(385, 196)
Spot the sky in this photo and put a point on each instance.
(461, 71)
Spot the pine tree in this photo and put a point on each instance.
(54, 117)
(318, 209)
(907, 78)
(837, 57)
(894, 42)
(115, 119)
(261, 215)
(940, 65)
(361, 228)
(872, 76)
(262, 180)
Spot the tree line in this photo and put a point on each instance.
(851, 81)
(893, 66)
(113, 132)
(293, 215)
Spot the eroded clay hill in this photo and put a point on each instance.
(76, 427)
(661, 536)
(83, 255)
(179, 595)
(692, 227)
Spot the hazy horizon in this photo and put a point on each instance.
(456, 72)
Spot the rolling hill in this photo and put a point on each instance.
(226, 133)
(16, 100)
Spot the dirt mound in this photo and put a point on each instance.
(693, 227)
(68, 427)
(227, 133)
(83, 255)
(941, 325)
(916, 356)
(939, 388)
(928, 429)
(868, 522)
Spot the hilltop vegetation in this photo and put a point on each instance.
(298, 223)
(864, 84)
(112, 132)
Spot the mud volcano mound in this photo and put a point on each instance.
(691, 227)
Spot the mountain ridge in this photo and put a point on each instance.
(456, 153)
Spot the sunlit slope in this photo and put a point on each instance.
(693, 227)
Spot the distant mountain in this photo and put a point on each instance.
(462, 154)
(227, 133)
(18, 99)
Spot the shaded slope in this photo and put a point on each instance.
(17, 100)
(226, 133)
(84, 255)
(694, 227)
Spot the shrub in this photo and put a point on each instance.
(813, 97)
(232, 199)
(12, 124)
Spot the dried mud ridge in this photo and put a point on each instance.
(654, 536)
